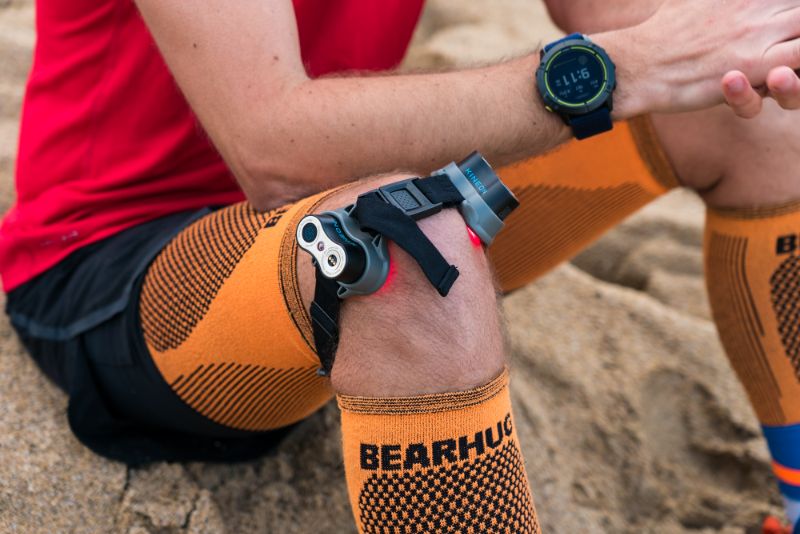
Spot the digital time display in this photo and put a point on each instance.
(576, 76)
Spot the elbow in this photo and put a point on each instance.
(261, 198)
(268, 156)
(271, 178)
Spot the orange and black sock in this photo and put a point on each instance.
(753, 277)
(573, 195)
(437, 463)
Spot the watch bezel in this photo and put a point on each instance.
(603, 97)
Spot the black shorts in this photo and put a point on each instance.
(80, 323)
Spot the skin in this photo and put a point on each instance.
(731, 162)
(250, 91)
(746, 101)
(457, 342)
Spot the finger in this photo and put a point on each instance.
(787, 20)
(784, 86)
(740, 95)
(787, 53)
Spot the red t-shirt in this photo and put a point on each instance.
(107, 141)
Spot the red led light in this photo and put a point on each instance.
(389, 277)
(474, 237)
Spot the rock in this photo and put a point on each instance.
(161, 494)
(669, 230)
(205, 518)
(629, 414)
(681, 292)
(457, 33)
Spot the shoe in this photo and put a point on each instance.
(773, 525)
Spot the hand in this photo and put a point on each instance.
(783, 85)
(674, 61)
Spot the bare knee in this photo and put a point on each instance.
(406, 339)
(762, 164)
(732, 162)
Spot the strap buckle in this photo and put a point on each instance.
(408, 198)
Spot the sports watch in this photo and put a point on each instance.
(576, 79)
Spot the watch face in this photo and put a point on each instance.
(576, 76)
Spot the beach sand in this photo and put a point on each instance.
(630, 417)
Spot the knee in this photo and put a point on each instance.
(762, 162)
(733, 162)
(406, 339)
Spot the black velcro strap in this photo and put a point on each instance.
(325, 321)
(440, 189)
(376, 215)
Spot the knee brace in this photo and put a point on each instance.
(224, 322)
(349, 249)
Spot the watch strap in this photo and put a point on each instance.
(570, 37)
(596, 122)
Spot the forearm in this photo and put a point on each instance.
(331, 130)
(284, 135)
(324, 132)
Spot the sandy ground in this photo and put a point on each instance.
(630, 418)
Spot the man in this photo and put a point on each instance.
(745, 172)
(183, 333)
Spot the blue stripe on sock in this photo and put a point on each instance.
(793, 492)
(784, 444)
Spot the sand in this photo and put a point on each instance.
(630, 418)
